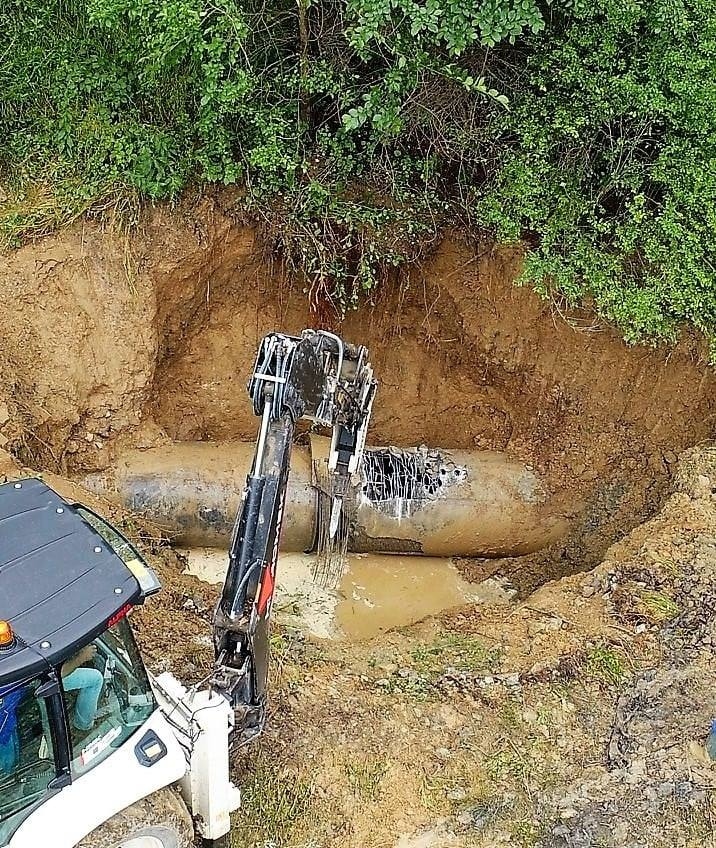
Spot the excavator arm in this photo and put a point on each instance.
(320, 378)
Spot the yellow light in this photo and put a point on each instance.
(7, 637)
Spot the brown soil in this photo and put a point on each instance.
(109, 342)
(572, 720)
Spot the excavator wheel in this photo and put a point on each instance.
(159, 821)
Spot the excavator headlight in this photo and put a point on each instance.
(7, 637)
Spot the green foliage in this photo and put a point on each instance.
(613, 164)
(361, 129)
(606, 665)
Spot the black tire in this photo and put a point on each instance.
(158, 821)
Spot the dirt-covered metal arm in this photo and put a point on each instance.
(318, 377)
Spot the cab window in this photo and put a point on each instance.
(121, 546)
(27, 759)
(107, 696)
(124, 549)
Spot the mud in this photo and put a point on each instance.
(573, 720)
(375, 594)
(378, 594)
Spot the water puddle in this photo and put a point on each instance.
(377, 592)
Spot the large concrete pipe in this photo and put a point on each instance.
(193, 490)
(462, 503)
(418, 500)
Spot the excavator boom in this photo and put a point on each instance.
(314, 376)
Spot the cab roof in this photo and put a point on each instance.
(60, 582)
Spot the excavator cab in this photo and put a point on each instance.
(73, 687)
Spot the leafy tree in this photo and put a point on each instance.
(361, 128)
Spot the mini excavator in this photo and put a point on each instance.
(95, 752)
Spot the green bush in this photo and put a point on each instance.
(360, 129)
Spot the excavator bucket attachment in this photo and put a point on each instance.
(314, 376)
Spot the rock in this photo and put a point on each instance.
(665, 789)
(449, 716)
(465, 818)
(638, 767)
(456, 794)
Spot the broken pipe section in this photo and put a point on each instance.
(419, 500)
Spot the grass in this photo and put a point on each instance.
(606, 665)
(450, 653)
(275, 806)
(34, 208)
(288, 655)
(509, 763)
(454, 785)
(365, 777)
(658, 607)
(457, 651)
(527, 832)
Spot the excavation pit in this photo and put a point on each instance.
(465, 359)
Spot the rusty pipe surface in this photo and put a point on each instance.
(424, 501)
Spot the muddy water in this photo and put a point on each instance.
(377, 592)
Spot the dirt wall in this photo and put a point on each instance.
(464, 358)
(78, 344)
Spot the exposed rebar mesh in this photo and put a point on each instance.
(331, 551)
(398, 481)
